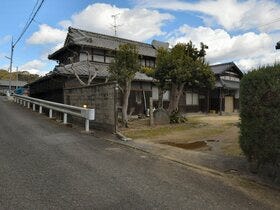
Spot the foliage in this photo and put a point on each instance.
(125, 64)
(22, 76)
(164, 66)
(184, 65)
(148, 71)
(122, 70)
(176, 117)
(260, 115)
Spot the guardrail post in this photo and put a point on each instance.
(34, 107)
(87, 125)
(24, 103)
(50, 113)
(64, 118)
(28, 105)
(20, 102)
(40, 110)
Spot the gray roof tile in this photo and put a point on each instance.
(102, 70)
(81, 37)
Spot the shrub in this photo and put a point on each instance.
(260, 115)
(176, 117)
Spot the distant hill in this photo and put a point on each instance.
(22, 76)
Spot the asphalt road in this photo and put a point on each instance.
(44, 165)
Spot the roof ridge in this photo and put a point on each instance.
(220, 64)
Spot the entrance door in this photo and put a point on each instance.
(229, 104)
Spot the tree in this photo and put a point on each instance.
(122, 70)
(188, 68)
(164, 65)
(92, 71)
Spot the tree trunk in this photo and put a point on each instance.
(175, 94)
(160, 98)
(126, 93)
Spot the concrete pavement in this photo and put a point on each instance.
(45, 165)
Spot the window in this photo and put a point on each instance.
(230, 78)
(98, 55)
(191, 99)
(83, 56)
(98, 58)
(155, 93)
(150, 63)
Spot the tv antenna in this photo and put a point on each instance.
(115, 25)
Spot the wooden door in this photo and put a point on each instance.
(229, 104)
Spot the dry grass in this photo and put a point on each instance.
(224, 129)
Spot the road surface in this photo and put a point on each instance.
(49, 166)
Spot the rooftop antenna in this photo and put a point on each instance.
(115, 25)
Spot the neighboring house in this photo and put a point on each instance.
(4, 85)
(99, 50)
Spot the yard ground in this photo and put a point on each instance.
(211, 134)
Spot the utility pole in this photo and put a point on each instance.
(11, 65)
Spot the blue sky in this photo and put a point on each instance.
(241, 31)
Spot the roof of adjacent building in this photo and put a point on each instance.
(221, 68)
(13, 83)
(83, 68)
(96, 40)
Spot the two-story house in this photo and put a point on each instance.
(85, 51)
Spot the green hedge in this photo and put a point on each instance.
(260, 115)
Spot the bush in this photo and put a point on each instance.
(260, 115)
(176, 117)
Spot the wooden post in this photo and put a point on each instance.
(151, 112)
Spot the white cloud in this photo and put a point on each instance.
(230, 14)
(137, 24)
(248, 50)
(47, 35)
(34, 67)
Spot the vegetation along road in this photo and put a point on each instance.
(45, 165)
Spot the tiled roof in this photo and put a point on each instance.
(220, 68)
(91, 39)
(81, 69)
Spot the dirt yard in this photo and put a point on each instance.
(212, 134)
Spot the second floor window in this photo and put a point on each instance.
(83, 56)
(98, 55)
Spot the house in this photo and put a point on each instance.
(85, 51)
(5, 84)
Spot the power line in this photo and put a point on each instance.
(28, 23)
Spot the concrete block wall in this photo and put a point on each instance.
(101, 97)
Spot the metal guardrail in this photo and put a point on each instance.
(88, 114)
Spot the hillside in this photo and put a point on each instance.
(22, 76)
